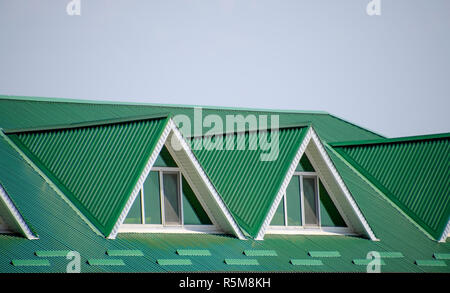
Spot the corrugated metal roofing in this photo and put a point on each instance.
(412, 172)
(22, 112)
(60, 228)
(96, 167)
(247, 184)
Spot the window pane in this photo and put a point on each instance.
(309, 197)
(294, 213)
(329, 214)
(278, 217)
(193, 212)
(134, 215)
(152, 199)
(171, 206)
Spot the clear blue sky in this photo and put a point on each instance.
(389, 73)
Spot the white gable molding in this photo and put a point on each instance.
(368, 182)
(315, 151)
(365, 229)
(140, 182)
(284, 184)
(51, 184)
(213, 205)
(210, 199)
(446, 233)
(17, 217)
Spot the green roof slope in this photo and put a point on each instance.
(60, 228)
(97, 166)
(27, 112)
(247, 184)
(412, 172)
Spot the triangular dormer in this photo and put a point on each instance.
(306, 207)
(313, 198)
(187, 202)
(167, 203)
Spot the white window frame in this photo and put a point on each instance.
(163, 228)
(307, 229)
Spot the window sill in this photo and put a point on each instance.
(186, 229)
(298, 230)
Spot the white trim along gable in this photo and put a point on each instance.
(195, 176)
(446, 233)
(18, 223)
(333, 183)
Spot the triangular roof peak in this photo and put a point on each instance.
(341, 196)
(12, 217)
(194, 174)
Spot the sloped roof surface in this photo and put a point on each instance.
(60, 228)
(412, 172)
(23, 112)
(96, 167)
(247, 184)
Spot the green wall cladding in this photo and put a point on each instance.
(247, 184)
(96, 167)
(412, 173)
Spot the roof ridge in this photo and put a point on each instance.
(102, 122)
(414, 138)
(118, 103)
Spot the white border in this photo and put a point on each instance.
(282, 191)
(16, 215)
(385, 197)
(51, 184)
(311, 135)
(140, 182)
(186, 229)
(300, 230)
(237, 231)
(171, 127)
(446, 233)
(343, 186)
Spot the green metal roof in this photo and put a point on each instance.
(60, 229)
(33, 112)
(413, 172)
(248, 185)
(96, 166)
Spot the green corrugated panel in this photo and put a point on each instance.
(96, 167)
(193, 252)
(364, 261)
(441, 255)
(306, 262)
(430, 263)
(324, 253)
(124, 252)
(260, 252)
(52, 253)
(105, 262)
(390, 254)
(174, 262)
(413, 173)
(30, 262)
(247, 184)
(241, 262)
(22, 112)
